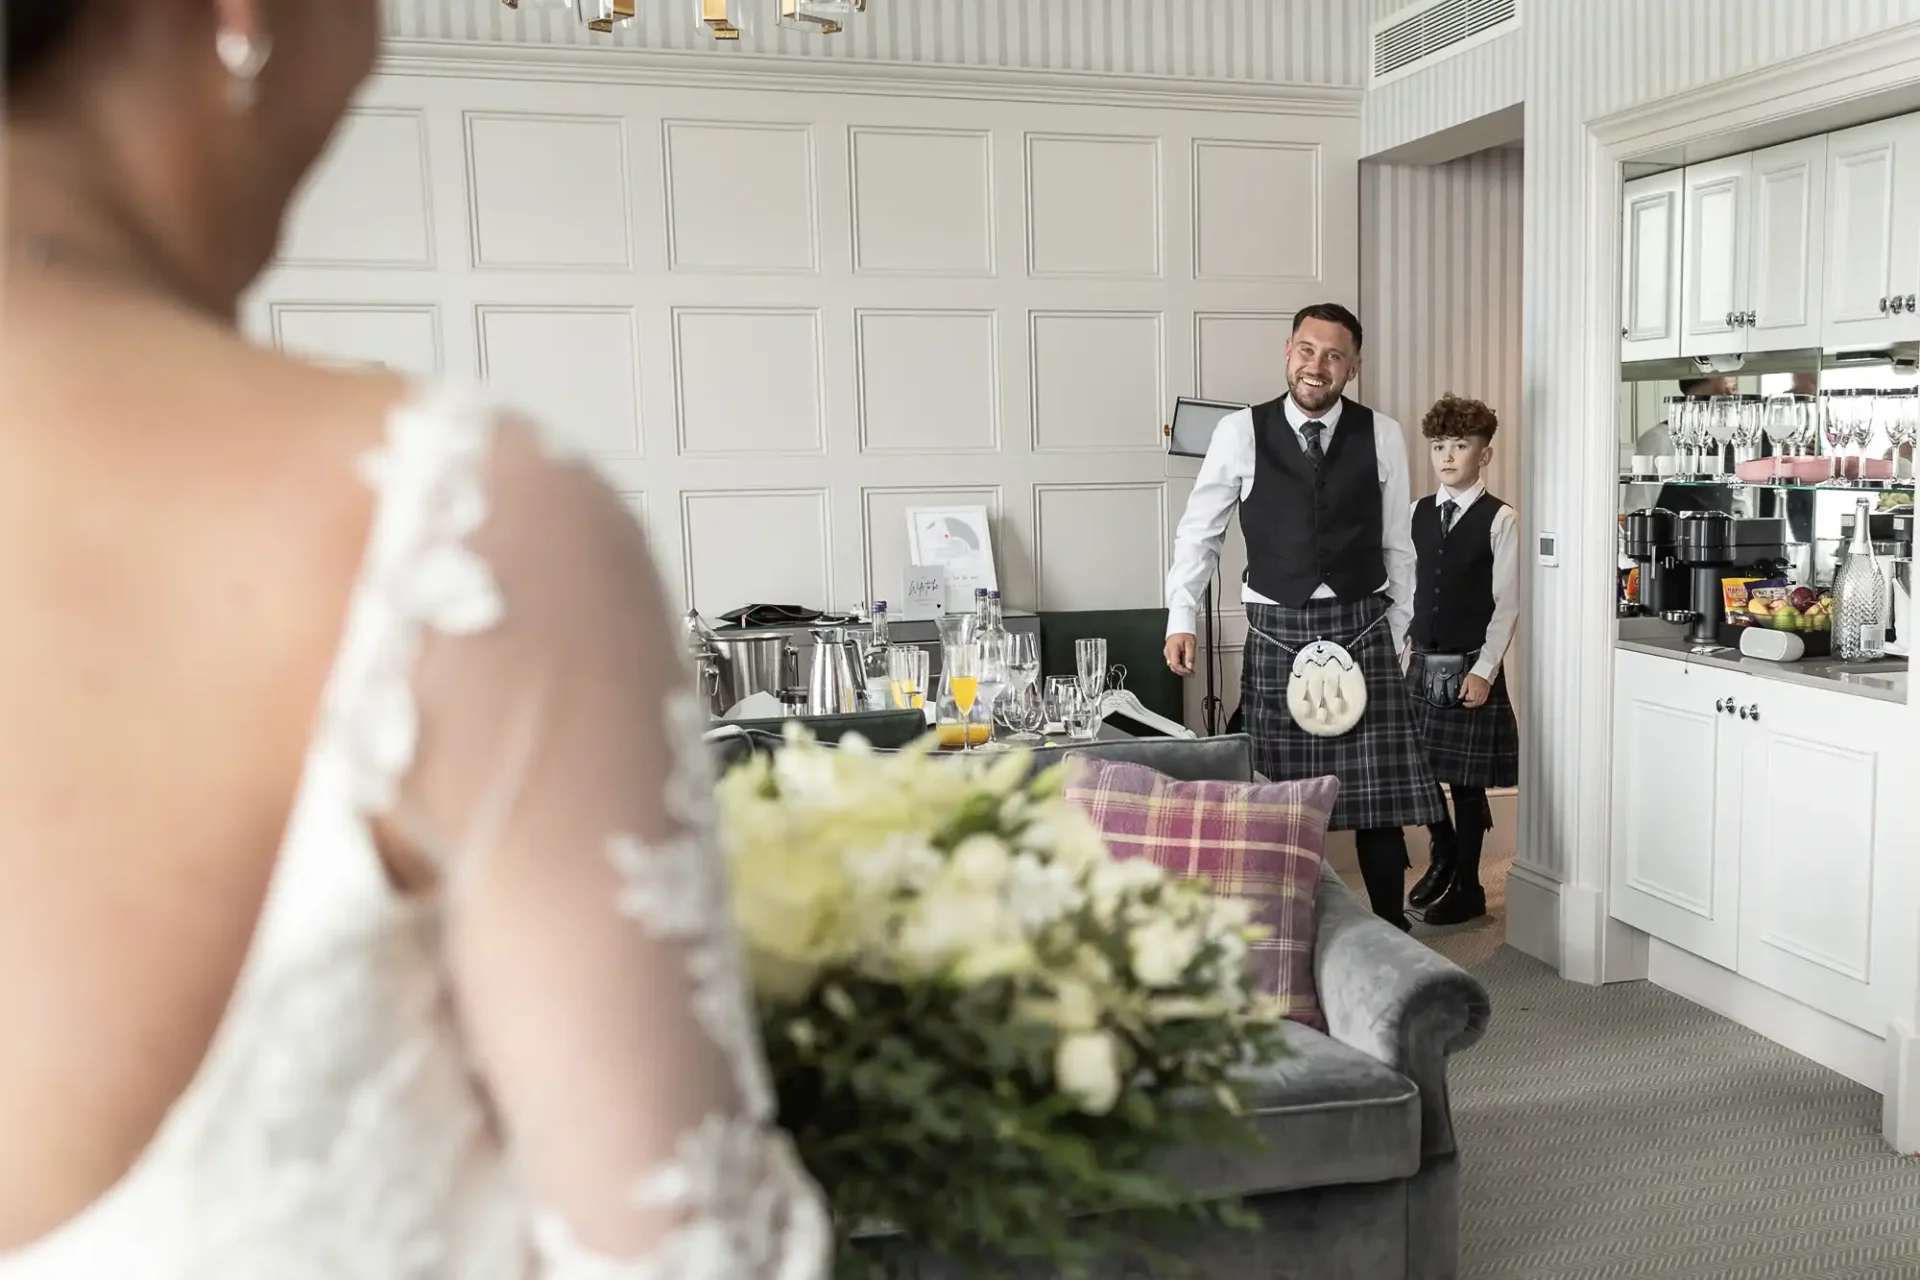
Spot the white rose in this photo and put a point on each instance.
(1075, 1008)
(946, 924)
(1087, 1068)
(1161, 952)
(1041, 892)
(981, 862)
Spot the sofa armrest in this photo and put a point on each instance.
(1395, 999)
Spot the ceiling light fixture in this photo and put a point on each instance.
(822, 17)
(722, 19)
(717, 17)
(598, 15)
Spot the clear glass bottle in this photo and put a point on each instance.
(1860, 596)
(878, 662)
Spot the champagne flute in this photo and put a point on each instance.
(963, 680)
(1090, 659)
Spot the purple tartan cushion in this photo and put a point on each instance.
(1262, 841)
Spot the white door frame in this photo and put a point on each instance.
(1819, 88)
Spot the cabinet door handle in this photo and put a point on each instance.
(1753, 318)
(1911, 298)
(1883, 306)
(1753, 712)
(1729, 319)
(1623, 331)
(1897, 304)
(1720, 704)
(1743, 713)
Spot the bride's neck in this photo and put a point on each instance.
(74, 205)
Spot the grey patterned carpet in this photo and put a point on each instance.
(1621, 1131)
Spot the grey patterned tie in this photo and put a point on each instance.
(1311, 432)
(1448, 510)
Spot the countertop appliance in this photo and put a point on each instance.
(1649, 535)
(1712, 545)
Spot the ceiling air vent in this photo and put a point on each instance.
(1425, 33)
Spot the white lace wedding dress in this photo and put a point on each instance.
(546, 1068)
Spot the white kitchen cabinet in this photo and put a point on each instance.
(1650, 223)
(1714, 239)
(1786, 245)
(1872, 235)
(1822, 803)
(1757, 825)
(1754, 252)
(1676, 833)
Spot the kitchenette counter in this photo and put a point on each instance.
(1885, 680)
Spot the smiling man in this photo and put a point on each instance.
(1321, 486)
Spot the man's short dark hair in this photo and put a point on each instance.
(1693, 386)
(1330, 313)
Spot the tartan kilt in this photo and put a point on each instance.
(1384, 777)
(1473, 746)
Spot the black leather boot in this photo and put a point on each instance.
(1461, 897)
(1439, 866)
(1458, 903)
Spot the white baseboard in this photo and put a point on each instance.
(1594, 947)
(1900, 1104)
(1533, 914)
(1836, 1045)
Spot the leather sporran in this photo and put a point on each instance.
(1438, 678)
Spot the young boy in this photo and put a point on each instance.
(1466, 602)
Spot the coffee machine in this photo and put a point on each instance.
(1649, 535)
(1712, 545)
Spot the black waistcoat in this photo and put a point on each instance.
(1305, 526)
(1453, 591)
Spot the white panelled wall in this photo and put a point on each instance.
(1290, 41)
(780, 312)
(1572, 62)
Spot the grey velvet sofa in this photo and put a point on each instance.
(1359, 1178)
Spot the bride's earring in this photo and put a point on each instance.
(243, 56)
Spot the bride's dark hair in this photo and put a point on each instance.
(35, 28)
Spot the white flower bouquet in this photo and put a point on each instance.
(982, 1026)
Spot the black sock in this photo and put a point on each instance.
(1475, 820)
(1383, 867)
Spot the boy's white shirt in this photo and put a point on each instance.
(1505, 537)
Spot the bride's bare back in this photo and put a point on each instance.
(359, 908)
(180, 530)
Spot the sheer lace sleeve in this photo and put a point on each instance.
(560, 792)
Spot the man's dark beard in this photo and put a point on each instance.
(1332, 393)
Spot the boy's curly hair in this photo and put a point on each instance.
(1457, 418)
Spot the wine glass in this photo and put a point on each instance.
(1723, 423)
(1836, 425)
(1021, 709)
(1903, 428)
(1870, 419)
(1786, 424)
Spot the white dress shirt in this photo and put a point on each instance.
(1505, 536)
(1226, 478)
